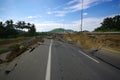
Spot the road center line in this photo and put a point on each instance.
(48, 71)
(62, 44)
(89, 56)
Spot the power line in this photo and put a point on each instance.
(81, 15)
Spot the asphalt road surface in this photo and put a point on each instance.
(55, 60)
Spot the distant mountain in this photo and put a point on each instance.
(61, 30)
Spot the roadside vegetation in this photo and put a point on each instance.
(97, 41)
(15, 38)
(7, 44)
(18, 49)
(14, 33)
(110, 24)
(94, 40)
(9, 29)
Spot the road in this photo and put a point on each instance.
(56, 60)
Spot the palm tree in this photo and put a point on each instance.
(32, 29)
(28, 26)
(1, 29)
(116, 20)
(19, 24)
(1, 26)
(23, 24)
(9, 24)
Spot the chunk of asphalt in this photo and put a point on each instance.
(8, 71)
(32, 49)
(94, 51)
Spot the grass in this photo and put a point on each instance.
(12, 40)
(94, 41)
(17, 50)
(16, 46)
(7, 44)
(111, 50)
(3, 50)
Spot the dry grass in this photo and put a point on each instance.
(7, 44)
(90, 41)
(17, 48)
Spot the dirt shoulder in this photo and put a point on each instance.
(7, 44)
(105, 46)
(108, 57)
(18, 48)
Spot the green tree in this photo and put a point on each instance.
(28, 25)
(9, 29)
(32, 30)
(23, 25)
(18, 25)
(110, 24)
(2, 29)
(9, 24)
(116, 21)
(1, 25)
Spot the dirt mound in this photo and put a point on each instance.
(93, 40)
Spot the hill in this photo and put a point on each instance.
(61, 30)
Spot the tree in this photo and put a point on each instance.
(9, 24)
(116, 20)
(23, 24)
(32, 30)
(28, 25)
(2, 29)
(110, 24)
(18, 25)
(9, 29)
(1, 25)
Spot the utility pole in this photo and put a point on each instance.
(81, 15)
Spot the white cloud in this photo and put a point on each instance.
(88, 24)
(71, 2)
(61, 13)
(31, 17)
(85, 14)
(53, 25)
(112, 15)
(107, 0)
(75, 5)
(49, 12)
(58, 13)
(92, 22)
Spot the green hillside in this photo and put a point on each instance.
(61, 30)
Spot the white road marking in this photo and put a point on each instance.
(62, 44)
(48, 71)
(89, 56)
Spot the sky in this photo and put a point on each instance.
(50, 14)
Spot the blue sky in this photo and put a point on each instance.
(50, 14)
